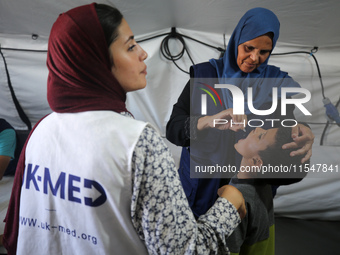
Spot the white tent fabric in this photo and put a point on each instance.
(304, 24)
(314, 197)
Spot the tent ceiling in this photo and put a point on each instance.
(303, 22)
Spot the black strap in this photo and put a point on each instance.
(20, 111)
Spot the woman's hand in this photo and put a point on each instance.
(234, 196)
(223, 120)
(303, 139)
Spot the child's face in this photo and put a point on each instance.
(257, 140)
(128, 60)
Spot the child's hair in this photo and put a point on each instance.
(278, 162)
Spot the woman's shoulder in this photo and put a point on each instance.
(275, 72)
(203, 70)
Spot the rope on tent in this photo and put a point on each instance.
(23, 116)
(331, 110)
(165, 49)
(327, 125)
(311, 53)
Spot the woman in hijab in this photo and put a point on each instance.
(93, 180)
(209, 145)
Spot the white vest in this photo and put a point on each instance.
(76, 192)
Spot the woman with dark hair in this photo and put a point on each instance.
(93, 180)
(243, 66)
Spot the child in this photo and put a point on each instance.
(264, 162)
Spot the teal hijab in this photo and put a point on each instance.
(254, 23)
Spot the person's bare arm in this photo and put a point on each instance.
(234, 196)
